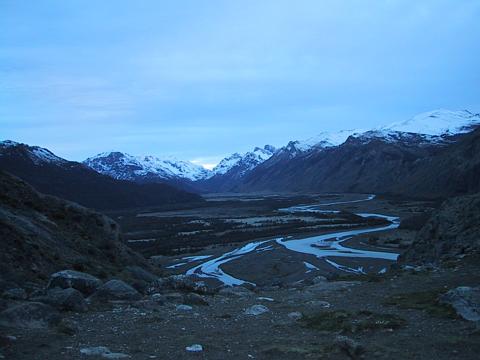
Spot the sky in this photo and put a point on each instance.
(199, 80)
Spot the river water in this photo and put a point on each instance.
(322, 246)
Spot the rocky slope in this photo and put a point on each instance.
(41, 234)
(380, 162)
(453, 170)
(76, 182)
(451, 233)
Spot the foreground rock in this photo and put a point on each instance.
(85, 283)
(116, 290)
(256, 310)
(465, 300)
(32, 315)
(64, 299)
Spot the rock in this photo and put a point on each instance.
(255, 310)
(15, 294)
(352, 348)
(238, 291)
(183, 308)
(116, 290)
(141, 274)
(64, 299)
(103, 352)
(194, 299)
(32, 315)
(140, 278)
(295, 315)
(450, 232)
(465, 300)
(85, 283)
(194, 348)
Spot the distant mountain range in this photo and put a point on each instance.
(301, 165)
(429, 148)
(74, 181)
(184, 174)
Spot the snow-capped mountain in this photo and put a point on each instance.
(145, 168)
(243, 163)
(371, 161)
(321, 141)
(36, 154)
(437, 123)
(432, 127)
(76, 182)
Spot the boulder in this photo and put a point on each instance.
(140, 273)
(64, 299)
(31, 315)
(85, 283)
(465, 300)
(116, 290)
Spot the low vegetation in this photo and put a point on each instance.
(423, 300)
(352, 322)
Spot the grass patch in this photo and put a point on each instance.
(353, 322)
(358, 277)
(424, 300)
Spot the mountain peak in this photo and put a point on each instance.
(437, 122)
(127, 167)
(244, 162)
(36, 154)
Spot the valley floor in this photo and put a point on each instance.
(294, 312)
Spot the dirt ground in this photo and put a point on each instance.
(419, 328)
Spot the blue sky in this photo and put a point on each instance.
(201, 79)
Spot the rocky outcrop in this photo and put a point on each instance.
(465, 300)
(452, 232)
(41, 235)
(32, 315)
